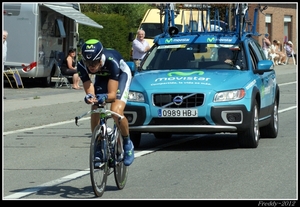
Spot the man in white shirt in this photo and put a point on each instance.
(4, 48)
(140, 47)
(266, 45)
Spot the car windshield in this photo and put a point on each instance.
(195, 56)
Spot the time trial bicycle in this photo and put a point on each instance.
(111, 142)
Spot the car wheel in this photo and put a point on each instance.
(250, 137)
(135, 138)
(271, 130)
(162, 135)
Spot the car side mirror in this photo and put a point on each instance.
(131, 66)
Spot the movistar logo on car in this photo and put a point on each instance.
(168, 40)
(226, 40)
(211, 39)
(183, 76)
(177, 40)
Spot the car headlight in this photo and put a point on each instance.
(136, 96)
(230, 95)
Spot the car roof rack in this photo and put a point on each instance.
(241, 25)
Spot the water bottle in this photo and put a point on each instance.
(111, 146)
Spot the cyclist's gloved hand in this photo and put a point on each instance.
(101, 98)
(88, 96)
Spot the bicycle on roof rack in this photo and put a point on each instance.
(111, 143)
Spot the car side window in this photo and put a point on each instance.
(257, 49)
(253, 57)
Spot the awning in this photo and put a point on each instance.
(72, 13)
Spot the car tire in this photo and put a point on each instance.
(250, 137)
(135, 138)
(162, 135)
(271, 130)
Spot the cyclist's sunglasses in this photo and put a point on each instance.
(91, 63)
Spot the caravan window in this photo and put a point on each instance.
(12, 9)
(59, 29)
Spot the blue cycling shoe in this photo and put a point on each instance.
(128, 151)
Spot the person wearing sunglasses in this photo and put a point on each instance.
(112, 81)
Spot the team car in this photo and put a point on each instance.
(183, 86)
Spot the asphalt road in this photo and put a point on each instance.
(46, 156)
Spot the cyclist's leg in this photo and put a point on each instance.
(118, 106)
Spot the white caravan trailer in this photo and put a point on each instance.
(37, 32)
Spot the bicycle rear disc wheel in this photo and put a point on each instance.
(98, 175)
(120, 170)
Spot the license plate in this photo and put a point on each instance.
(177, 112)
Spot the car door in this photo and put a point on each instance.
(267, 78)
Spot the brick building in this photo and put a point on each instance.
(279, 20)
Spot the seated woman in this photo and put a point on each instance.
(281, 57)
(288, 46)
(273, 55)
(69, 68)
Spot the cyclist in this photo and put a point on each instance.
(112, 80)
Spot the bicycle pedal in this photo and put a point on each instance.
(98, 165)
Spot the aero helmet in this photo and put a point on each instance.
(91, 51)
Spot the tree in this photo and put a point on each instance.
(133, 12)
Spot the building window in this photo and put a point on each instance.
(268, 29)
(287, 28)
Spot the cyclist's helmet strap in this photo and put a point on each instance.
(92, 50)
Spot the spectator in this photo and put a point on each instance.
(273, 55)
(266, 45)
(140, 47)
(5, 33)
(282, 56)
(69, 68)
(288, 46)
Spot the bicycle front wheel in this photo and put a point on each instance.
(98, 175)
(120, 170)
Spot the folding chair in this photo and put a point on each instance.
(62, 79)
(288, 58)
(13, 73)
